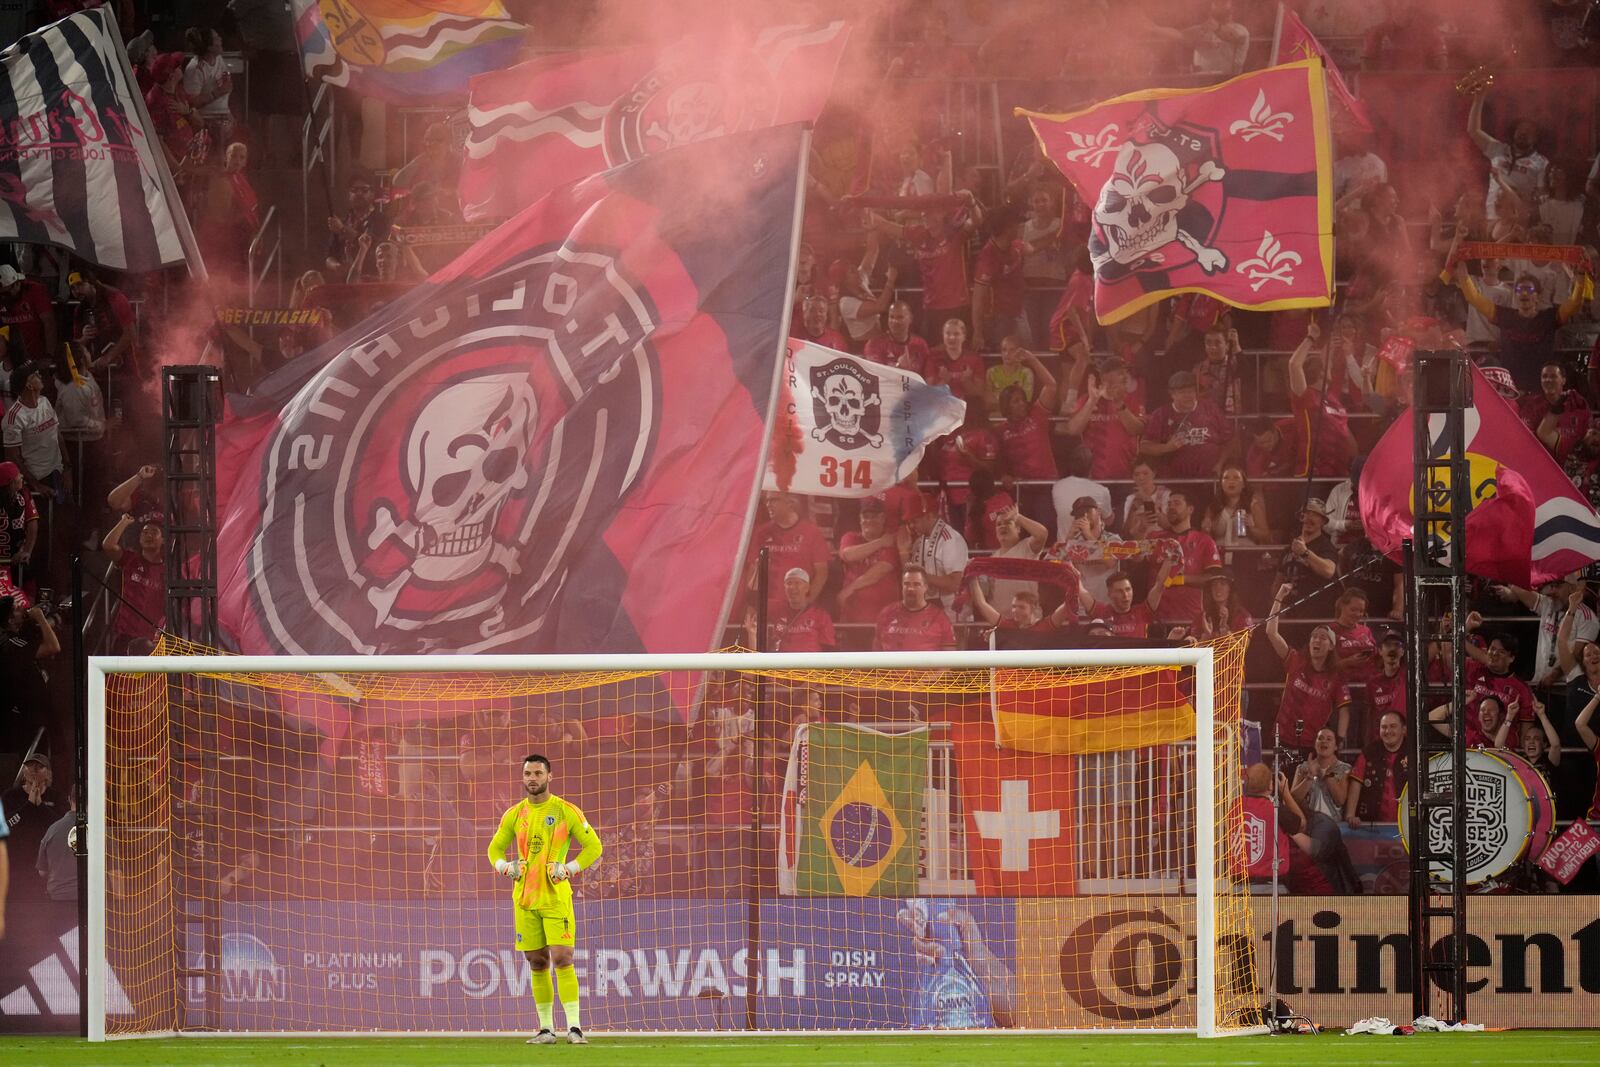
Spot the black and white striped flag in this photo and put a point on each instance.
(79, 166)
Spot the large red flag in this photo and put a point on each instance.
(1296, 41)
(1020, 818)
(559, 118)
(1225, 191)
(551, 445)
(1528, 524)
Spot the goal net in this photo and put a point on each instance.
(1028, 840)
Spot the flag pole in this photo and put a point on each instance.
(1277, 37)
(776, 392)
(169, 188)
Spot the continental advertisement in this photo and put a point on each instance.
(1098, 962)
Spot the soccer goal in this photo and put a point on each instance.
(1027, 840)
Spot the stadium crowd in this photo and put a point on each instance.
(1240, 437)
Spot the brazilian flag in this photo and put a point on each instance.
(861, 822)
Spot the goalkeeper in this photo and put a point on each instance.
(541, 828)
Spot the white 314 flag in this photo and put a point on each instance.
(850, 427)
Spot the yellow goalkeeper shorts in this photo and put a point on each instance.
(540, 929)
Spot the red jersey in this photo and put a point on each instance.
(1000, 267)
(1354, 641)
(801, 545)
(1109, 442)
(1535, 406)
(964, 376)
(1135, 622)
(1335, 446)
(910, 354)
(1202, 433)
(1309, 700)
(14, 529)
(954, 465)
(900, 629)
(144, 590)
(26, 314)
(1386, 694)
(828, 338)
(1025, 446)
(1184, 603)
(808, 630)
(942, 265)
(868, 602)
(1482, 682)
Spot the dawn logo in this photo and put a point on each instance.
(250, 972)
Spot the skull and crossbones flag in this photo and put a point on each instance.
(861, 426)
(1225, 191)
(552, 445)
(559, 118)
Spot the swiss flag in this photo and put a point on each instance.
(1019, 816)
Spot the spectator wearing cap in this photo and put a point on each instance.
(800, 625)
(1108, 420)
(1490, 673)
(173, 116)
(791, 540)
(1354, 643)
(1552, 603)
(1184, 601)
(1314, 691)
(25, 306)
(31, 433)
(19, 520)
(938, 551)
(26, 638)
(1321, 441)
(871, 567)
(1186, 436)
(1066, 493)
(141, 609)
(1309, 563)
(1089, 527)
(103, 324)
(30, 808)
(1388, 689)
(913, 623)
(1222, 612)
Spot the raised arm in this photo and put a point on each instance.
(1576, 299)
(1566, 654)
(1159, 586)
(1274, 637)
(111, 544)
(1586, 731)
(1485, 143)
(1043, 379)
(980, 603)
(1551, 737)
(1297, 359)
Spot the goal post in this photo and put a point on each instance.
(849, 842)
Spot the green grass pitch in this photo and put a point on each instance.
(1522, 1048)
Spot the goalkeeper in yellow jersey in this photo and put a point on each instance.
(538, 832)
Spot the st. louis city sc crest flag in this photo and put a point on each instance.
(849, 427)
(558, 118)
(1528, 524)
(1225, 191)
(551, 445)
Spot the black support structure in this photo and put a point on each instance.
(191, 409)
(1436, 607)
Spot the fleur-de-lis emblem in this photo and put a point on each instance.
(1093, 147)
(1263, 121)
(1271, 263)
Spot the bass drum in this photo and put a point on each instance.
(1510, 813)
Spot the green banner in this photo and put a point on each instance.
(861, 818)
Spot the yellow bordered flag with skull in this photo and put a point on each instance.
(1226, 190)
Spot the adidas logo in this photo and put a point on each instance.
(53, 986)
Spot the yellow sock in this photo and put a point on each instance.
(544, 998)
(567, 984)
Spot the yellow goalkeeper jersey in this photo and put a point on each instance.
(542, 834)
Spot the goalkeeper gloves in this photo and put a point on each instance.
(560, 872)
(510, 868)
